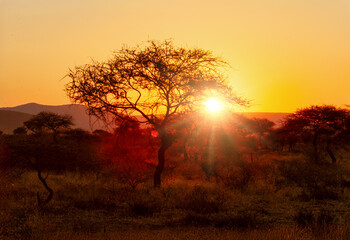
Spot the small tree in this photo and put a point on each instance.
(159, 82)
(20, 131)
(48, 121)
(262, 127)
(39, 147)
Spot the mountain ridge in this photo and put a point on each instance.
(78, 112)
(13, 117)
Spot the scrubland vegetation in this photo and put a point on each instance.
(234, 179)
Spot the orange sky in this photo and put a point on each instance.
(286, 54)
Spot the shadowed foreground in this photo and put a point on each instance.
(95, 207)
(286, 233)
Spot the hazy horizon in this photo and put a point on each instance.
(56, 105)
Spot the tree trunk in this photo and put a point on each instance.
(160, 166)
(314, 143)
(49, 197)
(165, 144)
(330, 152)
(185, 150)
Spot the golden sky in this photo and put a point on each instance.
(286, 54)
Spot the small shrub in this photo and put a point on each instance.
(325, 218)
(145, 204)
(95, 204)
(307, 218)
(203, 200)
(193, 218)
(304, 217)
(242, 220)
(319, 182)
(17, 225)
(237, 176)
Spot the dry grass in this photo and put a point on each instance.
(96, 207)
(277, 233)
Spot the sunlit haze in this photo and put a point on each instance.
(285, 54)
(213, 105)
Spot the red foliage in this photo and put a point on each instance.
(130, 152)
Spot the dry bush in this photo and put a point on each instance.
(321, 182)
(242, 220)
(132, 172)
(307, 218)
(204, 200)
(146, 202)
(237, 175)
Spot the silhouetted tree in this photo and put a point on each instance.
(344, 136)
(278, 140)
(39, 148)
(48, 121)
(318, 124)
(248, 134)
(20, 130)
(101, 133)
(159, 82)
(261, 127)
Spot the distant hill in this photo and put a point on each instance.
(80, 118)
(272, 116)
(13, 117)
(10, 120)
(34, 108)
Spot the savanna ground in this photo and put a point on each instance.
(96, 205)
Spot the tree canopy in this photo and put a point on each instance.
(159, 82)
(47, 121)
(156, 82)
(322, 125)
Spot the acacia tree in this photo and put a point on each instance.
(48, 121)
(39, 147)
(158, 82)
(262, 127)
(319, 124)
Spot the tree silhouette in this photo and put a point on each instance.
(320, 125)
(262, 127)
(20, 130)
(48, 121)
(40, 146)
(160, 82)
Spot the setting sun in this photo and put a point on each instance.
(213, 105)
